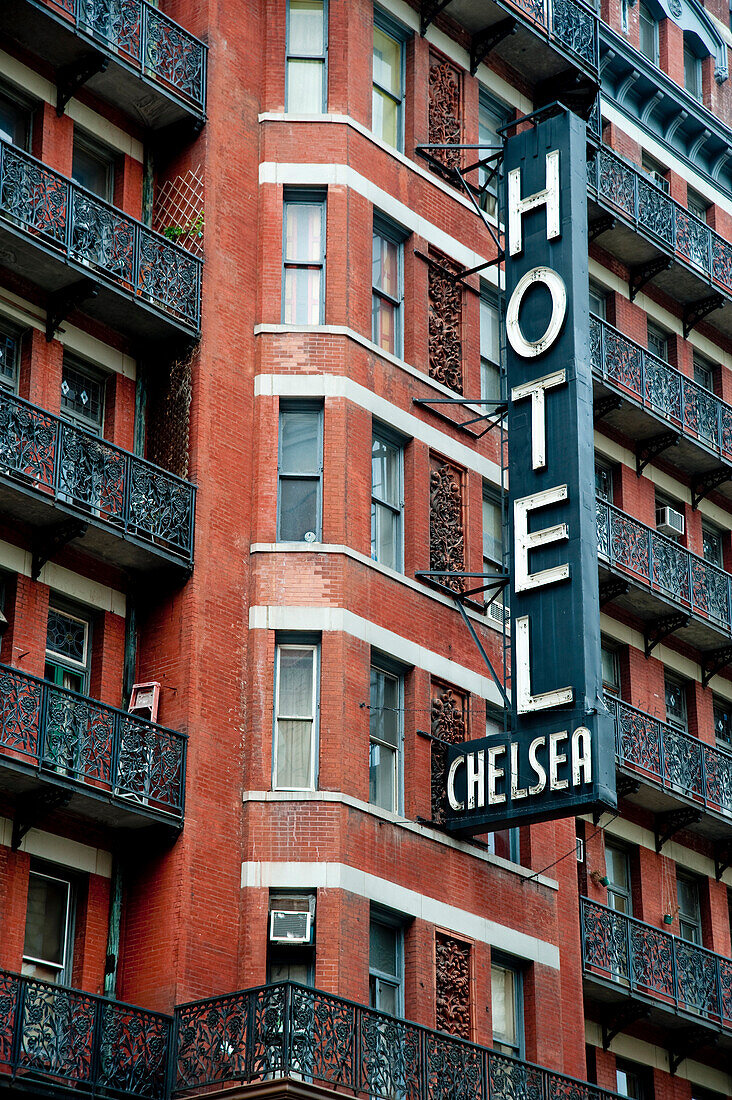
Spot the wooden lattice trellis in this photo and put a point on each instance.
(179, 210)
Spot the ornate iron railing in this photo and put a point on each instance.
(130, 495)
(672, 972)
(147, 39)
(572, 24)
(81, 1040)
(701, 773)
(111, 752)
(695, 584)
(90, 233)
(660, 387)
(660, 218)
(287, 1030)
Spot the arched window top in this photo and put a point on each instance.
(699, 30)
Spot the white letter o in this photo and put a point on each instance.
(529, 349)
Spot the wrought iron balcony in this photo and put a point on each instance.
(680, 981)
(661, 410)
(84, 252)
(662, 583)
(554, 44)
(675, 770)
(286, 1030)
(659, 240)
(130, 53)
(54, 1037)
(130, 512)
(102, 762)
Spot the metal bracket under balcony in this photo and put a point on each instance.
(626, 785)
(713, 661)
(641, 274)
(653, 447)
(621, 1018)
(722, 858)
(606, 405)
(694, 312)
(32, 808)
(671, 822)
(482, 43)
(572, 87)
(611, 588)
(69, 78)
(49, 541)
(61, 302)
(688, 1043)
(704, 484)
(655, 633)
(604, 224)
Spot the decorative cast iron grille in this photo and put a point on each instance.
(646, 961)
(659, 562)
(114, 753)
(102, 482)
(97, 238)
(660, 387)
(83, 1040)
(699, 772)
(289, 1031)
(570, 23)
(146, 39)
(660, 218)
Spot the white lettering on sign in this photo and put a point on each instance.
(458, 807)
(554, 283)
(536, 390)
(526, 703)
(525, 540)
(495, 773)
(517, 206)
(476, 780)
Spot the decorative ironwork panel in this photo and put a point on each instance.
(718, 776)
(28, 440)
(509, 1079)
(268, 1053)
(710, 590)
(57, 1031)
(616, 182)
(638, 738)
(535, 9)
(454, 1070)
(696, 978)
(10, 992)
(133, 1051)
(150, 763)
(452, 978)
(78, 736)
(605, 944)
(322, 1038)
(693, 239)
(20, 711)
(725, 985)
(115, 21)
(629, 543)
(92, 473)
(566, 1088)
(447, 543)
(576, 29)
(655, 211)
(102, 236)
(213, 1041)
(445, 125)
(390, 1057)
(169, 276)
(682, 761)
(651, 956)
(701, 412)
(174, 55)
(722, 261)
(664, 387)
(445, 296)
(161, 505)
(33, 195)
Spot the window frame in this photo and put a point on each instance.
(389, 438)
(316, 408)
(489, 298)
(701, 363)
(389, 231)
(59, 661)
(639, 1072)
(606, 646)
(10, 333)
(25, 103)
(383, 665)
(305, 196)
(642, 10)
(696, 93)
(390, 27)
(613, 888)
(670, 679)
(94, 374)
(656, 172)
(710, 530)
(598, 291)
(289, 56)
(55, 873)
(606, 468)
(656, 333)
(291, 642)
(502, 113)
(510, 963)
(101, 152)
(719, 704)
(695, 920)
(396, 981)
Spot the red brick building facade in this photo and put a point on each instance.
(233, 284)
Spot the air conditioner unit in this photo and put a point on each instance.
(669, 522)
(288, 926)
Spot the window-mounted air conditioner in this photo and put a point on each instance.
(669, 521)
(289, 926)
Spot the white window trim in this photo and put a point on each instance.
(314, 648)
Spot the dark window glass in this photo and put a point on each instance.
(300, 475)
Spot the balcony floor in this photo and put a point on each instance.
(714, 826)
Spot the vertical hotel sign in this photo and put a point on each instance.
(558, 758)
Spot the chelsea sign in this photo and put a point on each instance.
(558, 759)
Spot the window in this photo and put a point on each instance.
(386, 500)
(617, 869)
(49, 924)
(687, 897)
(305, 91)
(603, 481)
(82, 395)
(632, 1080)
(386, 967)
(704, 372)
(292, 962)
(295, 716)
(492, 532)
(675, 703)
(15, 119)
(655, 171)
(506, 1006)
(9, 355)
(598, 300)
(385, 738)
(92, 167)
(490, 349)
(712, 544)
(648, 26)
(610, 670)
(387, 288)
(491, 116)
(303, 263)
(692, 71)
(657, 342)
(67, 649)
(388, 82)
(722, 721)
(299, 495)
(697, 205)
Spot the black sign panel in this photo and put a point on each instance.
(559, 757)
